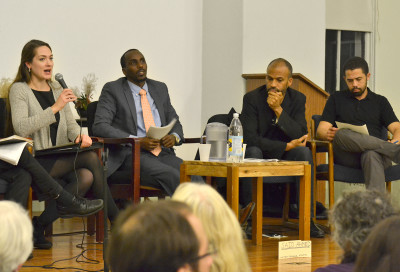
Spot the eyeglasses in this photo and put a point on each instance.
(211, 251)
(198, 258)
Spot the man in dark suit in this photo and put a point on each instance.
(119, 114)
(274, 124)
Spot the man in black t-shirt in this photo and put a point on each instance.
(358, 106)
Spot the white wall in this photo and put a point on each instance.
(90, 36)
(387, 54)
(294, 30)
(244, 36)
(223, 86)
(387, 59)
(354, 15)
(199, 48)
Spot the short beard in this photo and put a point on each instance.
(356, 94)
(138, 81)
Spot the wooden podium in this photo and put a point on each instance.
(315, 103)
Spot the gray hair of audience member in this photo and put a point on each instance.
(381, 250)
(153, 236)
(15, 236)
(353, 217)
(220, 224)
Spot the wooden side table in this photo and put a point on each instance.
(256, 170)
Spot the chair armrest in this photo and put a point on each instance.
(96, 139)
(320, 143)
(191, 141)
(119, 140)
(321, 146)
(135, 143)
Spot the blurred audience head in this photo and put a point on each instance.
(381, 250)
(16, 242)
(221, 225)
(158, 236)
(353, 217)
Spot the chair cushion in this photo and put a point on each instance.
(3, 186)
(285, 179)
(353, 175)
(222, 118)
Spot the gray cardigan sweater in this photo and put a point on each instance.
(30, 120)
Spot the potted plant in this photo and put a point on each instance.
(85, 96)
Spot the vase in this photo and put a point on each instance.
(82, 113)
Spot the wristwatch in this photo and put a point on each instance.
(176, 139)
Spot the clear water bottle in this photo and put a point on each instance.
(235, 142)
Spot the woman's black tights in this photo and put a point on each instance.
(90, 176)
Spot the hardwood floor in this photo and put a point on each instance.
(262, 258)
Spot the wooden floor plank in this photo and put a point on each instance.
(262, 258)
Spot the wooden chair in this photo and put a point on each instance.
(126, 184)
(335, 172)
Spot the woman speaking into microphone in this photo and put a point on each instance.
(40, 110)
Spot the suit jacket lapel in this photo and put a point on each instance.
(265, 112)
(158, 101)
(131, 103)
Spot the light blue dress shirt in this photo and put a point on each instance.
(141, 129)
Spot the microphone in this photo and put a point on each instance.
(59, 77)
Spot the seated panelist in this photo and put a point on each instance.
(40, 110)
(359, 105)
(274, 123)
(28, 171)
(127, 107)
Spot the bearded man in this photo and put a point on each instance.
(358, 105)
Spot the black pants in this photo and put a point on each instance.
(18, 183)
(27, 171)
(160, 171)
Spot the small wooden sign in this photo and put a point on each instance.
(294, 249)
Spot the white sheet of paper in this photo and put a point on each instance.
(12, 152)
(360, 129)
(294, 249)
(15, 139)
(259, 160)
(159, 132)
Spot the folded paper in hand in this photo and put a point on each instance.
(360, 129)
(11, 148)
(159, 132)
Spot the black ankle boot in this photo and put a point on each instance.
(79, 207)
(38, 235)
